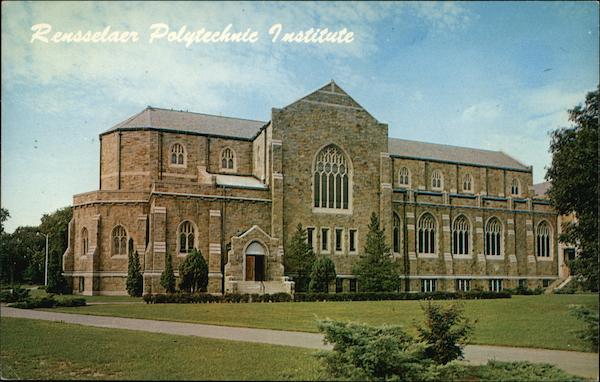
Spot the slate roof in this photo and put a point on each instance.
(540, 189)
(206, 124)
(453, 154)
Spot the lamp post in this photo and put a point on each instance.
(46, 267)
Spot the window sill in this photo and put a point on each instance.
(228, 170)
(182, 254)
(501, 257)
(177, 165)
(118, 257)
(333, 211)
(354, 253)
(427, 255)
(539, 258)
(460, 257)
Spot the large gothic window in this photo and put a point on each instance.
(396, 233)
(426, 234)
(331, 179)
(460, 236)
(515, 186)
(404, 177)
(186, 237)
(227, 159)
(119, 241)
(493, 234)
(437, 180)
(177, 154)
(543, 240)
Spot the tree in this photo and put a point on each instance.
(167, 277)
(299, 259)
(135, 281)
(445, 333)
(18, 252)
(376, 272)
(56, 224)
(193, 273)
(4, 215)
(574, 186)
(56, 281)
(323, 274)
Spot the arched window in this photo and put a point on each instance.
(426, 234)
(467, 183)
(84, 241)
(493, 234)
(437, 180)
(186, 237)
(227, 159)
(404, 177)
(515, 187)
(331, 179)
(543, 240)
(119, 241)
(396, 233)
(460, 236)
(177, 154)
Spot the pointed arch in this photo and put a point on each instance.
(85, 243)
(228, 159)
(404, 177)
(186, 237)
(543, 240)
(396, 233)
(467, 183)
(493, 237)
(332, 179)
(119, 241)
(461, 236)
(178, 155)
(515, 187)
(437, 180)
(426, 243)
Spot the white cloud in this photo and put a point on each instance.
(482, 111)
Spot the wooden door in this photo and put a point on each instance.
(250, 268)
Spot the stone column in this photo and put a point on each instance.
(385, 197)
(214, 252)
(412, 243)
(155, 263)
(509, 250)
(446, 248)
(277, 190)
(530, 248)
(479, 267)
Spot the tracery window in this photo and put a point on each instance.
(515, 187)
(186, 237)
(543, 240)
(437, 180)
(396, 233)
(177, 154)
(404, 177)
(84, 241)
(331, 179)
(119, 241)
(467, 183)
(493, 234)
(426, 234)
(227, 159)
(460, 236)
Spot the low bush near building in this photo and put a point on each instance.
(382, 296)
(47, 302)
(13, 295)
(203, 298)
(524, 291)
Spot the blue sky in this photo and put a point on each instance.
(497, 76)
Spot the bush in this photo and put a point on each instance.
(35, 302)
(135, 281)
(524, 291)
(71, 302)
(520, 371)
(590, 319)
(445, 332)
(203, 298)
(14, 295)
(323, 273)
(167, 277)
(193, 273)
(56, 281)
(381, 296)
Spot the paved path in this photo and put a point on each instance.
(583, 364)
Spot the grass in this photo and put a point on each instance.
(527, 321)
(42, 350)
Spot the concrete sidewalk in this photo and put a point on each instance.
(578, 363)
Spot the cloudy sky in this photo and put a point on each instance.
(498, 76)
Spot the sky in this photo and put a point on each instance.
(497, 76)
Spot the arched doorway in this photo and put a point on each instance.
(255, 262)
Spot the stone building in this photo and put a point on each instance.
(170, 181)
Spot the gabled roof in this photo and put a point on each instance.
(540, 189)
(188, 122)
(453, 154)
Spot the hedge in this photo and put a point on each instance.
(47, 302)
(203, 298)
(14, 295)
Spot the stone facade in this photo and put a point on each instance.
(236, 190)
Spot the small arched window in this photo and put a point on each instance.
(396, 233)
(331, 179)
(186, 237)
(177, 154)
(460, 236)
(493, 234)
(119, 241)
(543, 240)
(426, 237)
(467, 183)
(84, 241)
(404, 177)
(227, 159)
(437, 180)
(515, 187)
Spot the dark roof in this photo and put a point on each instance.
(184, 121)
(540, 189)
(453, 154)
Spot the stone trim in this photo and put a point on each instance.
(215, 213)
(96, 273)
(386, 186)
(165, 193)
(474, 277)
(126, 173)
(277, 175)
(331, 104)
(176, 175)
(159, 210)
(276, 142)
(474, 208)
(109, 202)
(160, 246)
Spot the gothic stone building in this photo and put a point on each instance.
(171, 181)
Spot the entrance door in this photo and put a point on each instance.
(250, 267)
(255, 262)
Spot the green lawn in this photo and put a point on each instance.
(42, 350)
(529, 321)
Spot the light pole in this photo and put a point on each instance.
(46, 268)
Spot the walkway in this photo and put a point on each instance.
(578, 363)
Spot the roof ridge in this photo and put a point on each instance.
(460, 147)
(210, 115)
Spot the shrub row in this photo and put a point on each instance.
(525, 291)
(14, 295)
(380, 296)
(203, 298)
(47, 302)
